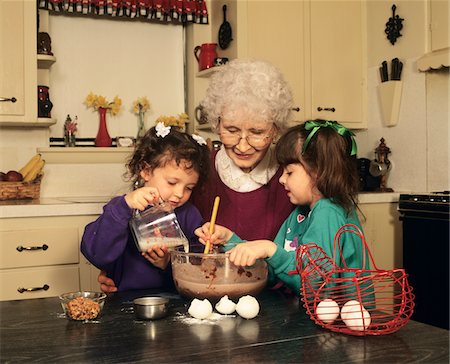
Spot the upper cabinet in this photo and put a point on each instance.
(320, 46)
(439, 24)
(18, 65)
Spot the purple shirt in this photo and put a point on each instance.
(109, 245)
(252, 215)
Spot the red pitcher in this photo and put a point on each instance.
(207, 55)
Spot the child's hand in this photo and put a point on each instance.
(221, 234)
(159, 256)
(107, 285)
(245, 254)
(142, 197)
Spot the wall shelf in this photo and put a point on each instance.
(207, 72)
(84, 155)
(45, 61)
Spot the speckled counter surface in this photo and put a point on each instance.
(93, 205)
(36, 331)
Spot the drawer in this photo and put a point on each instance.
(38, 247)
(58, 280)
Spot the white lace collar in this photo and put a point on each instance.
(236, 179)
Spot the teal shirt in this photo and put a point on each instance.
(318, 226)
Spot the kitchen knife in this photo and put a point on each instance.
(399, 72)
(394, 69)
(384, 76)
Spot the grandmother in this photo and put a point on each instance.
(248, 103)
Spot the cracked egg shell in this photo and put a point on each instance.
(247, 307)
(225, 306)
(200, 309)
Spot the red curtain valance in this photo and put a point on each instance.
(183, 11)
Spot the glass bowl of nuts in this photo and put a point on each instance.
(82, 305)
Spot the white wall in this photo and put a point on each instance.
(109, 57)
(419, 134)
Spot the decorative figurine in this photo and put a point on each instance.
(44, 45)
(393, 26)
(381, 166)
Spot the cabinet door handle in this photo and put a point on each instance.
(332, 109)
(8, 99)
(21, 248)
(296, 109)
(45, 287)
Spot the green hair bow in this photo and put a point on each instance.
(315, 125)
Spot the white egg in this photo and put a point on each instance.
(327, 311)
(355, 316)
(350, 306)
(225, 306)
(247, 307)
(200, 309)
(358, 320)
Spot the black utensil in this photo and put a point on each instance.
(225, 34)
(384, 73)
(400, 69)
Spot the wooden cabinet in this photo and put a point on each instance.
(439, 24)
(320, 46)
(18, 64)
(40, 257)
(383, 233)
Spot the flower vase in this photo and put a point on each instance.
(141, 127)
(102, 139)
(69, 139)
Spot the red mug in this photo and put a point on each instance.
(207, 55)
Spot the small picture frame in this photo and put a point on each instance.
(125, 142)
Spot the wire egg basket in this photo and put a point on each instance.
(354, 301)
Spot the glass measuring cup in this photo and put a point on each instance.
(157, 225)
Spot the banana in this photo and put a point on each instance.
(29, 166)
(37, 169)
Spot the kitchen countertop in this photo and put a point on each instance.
(35, 330)
(93, 205)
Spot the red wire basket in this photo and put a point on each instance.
(354, 301)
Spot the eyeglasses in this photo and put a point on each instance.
(233, 138)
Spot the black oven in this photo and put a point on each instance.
(425, 219)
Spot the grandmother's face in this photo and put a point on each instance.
(246, 141)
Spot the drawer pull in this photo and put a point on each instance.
(8, 99)
(30, 248)
(332, 109)
(45, 287)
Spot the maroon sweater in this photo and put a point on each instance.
(251, 215)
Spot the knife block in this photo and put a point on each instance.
(390, 97)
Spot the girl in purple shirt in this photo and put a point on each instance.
(167, 164)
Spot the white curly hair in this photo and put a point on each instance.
(253, 86)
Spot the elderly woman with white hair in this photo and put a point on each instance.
(248, 104)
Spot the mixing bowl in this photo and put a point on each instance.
(211, 276)
(82, 305)
(150, 308)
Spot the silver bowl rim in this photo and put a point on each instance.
(151, 301)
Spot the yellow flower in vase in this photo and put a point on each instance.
(102, 105)
(97, 101)
(178, 121)
(140, 107)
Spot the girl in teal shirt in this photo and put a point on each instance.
(320, 177)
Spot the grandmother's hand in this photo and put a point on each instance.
(245, 254)
(221, 234)
(142, 197)
(159, 256)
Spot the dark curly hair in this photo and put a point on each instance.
(153, 152)
(328, 156)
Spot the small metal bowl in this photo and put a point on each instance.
(151, 308)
